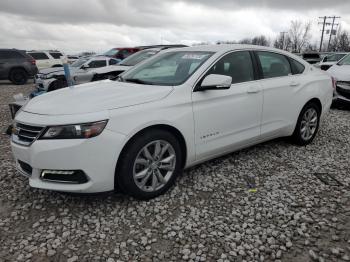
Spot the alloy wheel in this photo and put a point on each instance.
(154, 165)
(309, 124)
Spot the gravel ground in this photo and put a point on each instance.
(209, 215)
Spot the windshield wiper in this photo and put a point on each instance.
(137, 81)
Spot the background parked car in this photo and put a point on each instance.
(329, 60)
(82, 71)
(72, 58)
(121, 52)
(46, 59)
(16, 66)
(140, 56)
(312, 57)
(341, 72)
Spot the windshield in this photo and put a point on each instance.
(171, 68)
(79, 62)
(138, 57)
(111, 52)
(335, 57)
(345, 60)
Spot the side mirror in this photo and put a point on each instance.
(325, 59)
(84, 67)
(215, 82)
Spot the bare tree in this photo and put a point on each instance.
(299, 35)
(260, 40)
(245, 41)
(282, 42)
(340, 42)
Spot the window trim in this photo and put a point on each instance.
(260, 67)
(196, 86)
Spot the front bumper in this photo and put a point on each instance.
(96, 157)
(42, 84)
(342, 94)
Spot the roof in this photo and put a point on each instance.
(226, 47)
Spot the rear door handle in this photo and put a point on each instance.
(253, 89)
(293, 83)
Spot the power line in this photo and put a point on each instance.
(324, 24)
(331, 33)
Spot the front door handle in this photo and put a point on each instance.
(253, 89)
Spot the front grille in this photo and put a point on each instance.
(343, 89)
(26, 134)
(25, 167)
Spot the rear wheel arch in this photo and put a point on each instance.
(164, 127)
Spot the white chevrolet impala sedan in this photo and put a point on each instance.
(175, 110)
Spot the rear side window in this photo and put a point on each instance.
(97, 63)
(10, 55)
(39, 56)
(56, 55)
(238, 65)
(297, 68)
(274, 65)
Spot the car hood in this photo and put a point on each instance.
(55, 70)
(112, 68)
(340, 73)
(95, 97)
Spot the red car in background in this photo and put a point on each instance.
(121, 52)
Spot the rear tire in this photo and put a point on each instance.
(18, 76)
(307, 124)
(147, 175)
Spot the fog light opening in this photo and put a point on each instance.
(64, 176)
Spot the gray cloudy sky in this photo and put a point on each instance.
(79, 25)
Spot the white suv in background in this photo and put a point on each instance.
(46, 59)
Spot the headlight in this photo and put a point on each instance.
(86, 130)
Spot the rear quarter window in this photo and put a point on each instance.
(297, 68)
(39, 56)
(56, 55)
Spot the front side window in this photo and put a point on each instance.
(97, 63)
(171, 68)
(113, 62)
(274, 65)
(39, 56)
(238, 65)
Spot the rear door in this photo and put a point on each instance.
(280, 90)
(228, 119)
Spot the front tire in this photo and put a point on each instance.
(18, 76)
(307, 125)
(149, 165)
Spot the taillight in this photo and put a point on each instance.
(334, 82)
(33, 61)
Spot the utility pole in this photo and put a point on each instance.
(324, 24)
(330, 34)
(283, 37)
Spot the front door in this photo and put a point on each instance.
(228, 119)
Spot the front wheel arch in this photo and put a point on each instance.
(174, 131)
